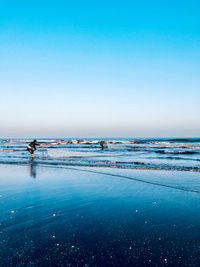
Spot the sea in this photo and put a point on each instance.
(181, 154)
(134, 203)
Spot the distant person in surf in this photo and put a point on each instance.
(102, 144)
(32, 148)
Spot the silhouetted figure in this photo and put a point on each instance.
(102, 144)
(32, 147)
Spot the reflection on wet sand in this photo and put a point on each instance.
(32, 168)
(84, 217)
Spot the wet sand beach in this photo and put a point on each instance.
(60, 216)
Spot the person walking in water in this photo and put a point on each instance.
(32, 148)
(102, 144)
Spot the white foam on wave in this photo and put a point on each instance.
(87, 141)
(68, 154)
(161, 143)
(82, 141)
(46, 140)
(106, 141)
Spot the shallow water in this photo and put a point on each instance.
(165, 153)
(66, 216)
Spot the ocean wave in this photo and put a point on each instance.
(138, 166)
(160, 143)
(122, 153)
(185, 140)
(67, 153)
(181, 158)
(12, 150)
(175, 152)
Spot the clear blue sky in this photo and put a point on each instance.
(99, 68)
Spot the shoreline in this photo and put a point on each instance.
(41, 163)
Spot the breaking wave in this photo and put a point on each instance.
(165, 154)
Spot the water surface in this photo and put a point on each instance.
(77, 216)
(163, 153)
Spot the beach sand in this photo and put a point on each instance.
(59, 216)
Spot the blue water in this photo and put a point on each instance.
(162, 153)
(82, 216)
(78, 205)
